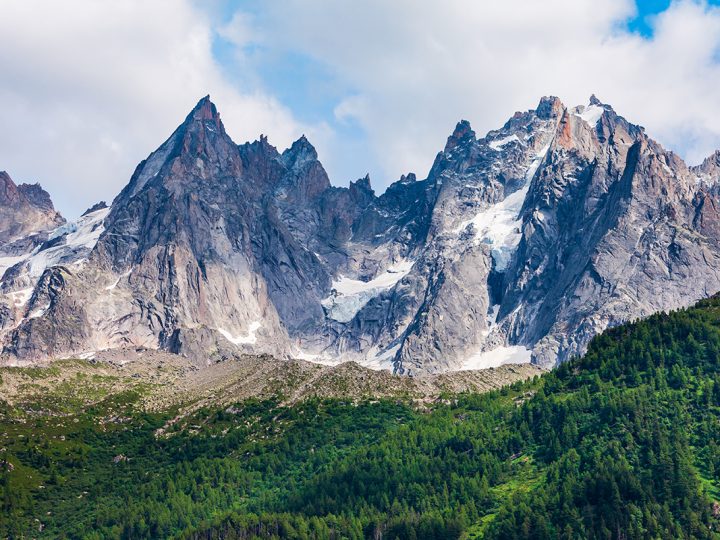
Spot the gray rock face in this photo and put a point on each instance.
(520, 245)
(614, 228)
(24, 210)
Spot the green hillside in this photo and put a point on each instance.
(620, 444)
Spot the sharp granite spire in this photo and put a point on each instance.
(518, 246)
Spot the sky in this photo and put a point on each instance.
(89, 88)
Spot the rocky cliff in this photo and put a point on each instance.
(25, 210)
(520, 245)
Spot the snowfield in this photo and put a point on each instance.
(591, 114)
(350, 295)
(499, 225)
(249, 339)
(499, 356)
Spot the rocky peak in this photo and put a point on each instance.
(200, 138)
(8, 190)
(37, 196)
(266, 146)
(94, 208)
(527, 243)
(581, 127)
(260, 148)
(549, 107)
(32, 195)
(300, 153)
(361, 189)
(714, 159)
(709, 169)
(204, 111)
(362, 183)
(461, 135)
(305, 177)
(202, 131)
(25, 209)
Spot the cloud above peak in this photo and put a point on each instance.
(414, 67)
(91, 87)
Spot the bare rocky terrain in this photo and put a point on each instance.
(518, 246)
(165, 381)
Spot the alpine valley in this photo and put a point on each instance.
(523, 345)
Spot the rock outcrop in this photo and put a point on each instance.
(521, 245)
(25, 210)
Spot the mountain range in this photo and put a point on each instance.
(518, 246)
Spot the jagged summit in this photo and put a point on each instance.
(549, 107)
(34, 194)
(299, 153)
(710, 165)
(363, 183)
(258, 147)
(362, 188)
(101, 205)
(520, 245)
(203, 117)
(8, 189)
(204, 110)
(462, 133)
(37, 196)
(25, 209)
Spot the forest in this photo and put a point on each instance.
(619, 444)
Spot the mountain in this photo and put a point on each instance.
(25, 211)
(521, 245)
(620, 444)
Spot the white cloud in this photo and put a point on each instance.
(416, 67)
(91, 87)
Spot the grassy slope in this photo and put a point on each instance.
(620, 444)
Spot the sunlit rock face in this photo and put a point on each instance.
(518, 246)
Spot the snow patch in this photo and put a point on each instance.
(498, 144)
(80, 236)
(704, 180)
(499, 225)
(249, 339)
(308, 357)
(113, 285)
(591, 114)
(7, 262)
(78, 239)
(375, 360)
(21, 297)
(349, 296)
(39, 312)
(117, 281)
(515, 354)
(381, 360)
